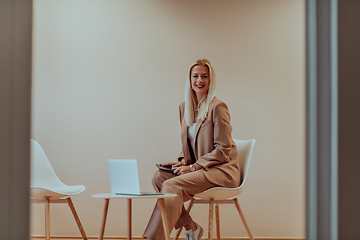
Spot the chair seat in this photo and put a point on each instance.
(39, 192)
(219, 193)
(47, 188)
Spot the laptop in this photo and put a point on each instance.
(124, 177)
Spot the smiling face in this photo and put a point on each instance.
(200, 81)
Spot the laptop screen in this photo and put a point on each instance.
(124, 177)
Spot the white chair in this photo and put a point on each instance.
(222, 195)
(47, 188)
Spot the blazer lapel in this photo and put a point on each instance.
(199, 122)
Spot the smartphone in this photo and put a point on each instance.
(164, 168)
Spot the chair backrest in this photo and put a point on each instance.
(245, 149)
(42, 173)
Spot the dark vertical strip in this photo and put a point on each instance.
(349, 118)
(311, 121)
(327, 118)
(15, 107)
(322, 119)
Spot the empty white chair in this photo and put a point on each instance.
(47, 188)
(222, 195)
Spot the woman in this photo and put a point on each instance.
(208, 158)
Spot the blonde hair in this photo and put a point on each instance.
(190, 96)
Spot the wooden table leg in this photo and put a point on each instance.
(101, 236)
(47, 219)
(164, 218)
(129, 218)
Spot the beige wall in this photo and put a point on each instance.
(107, 80)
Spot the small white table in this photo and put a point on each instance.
(160, 200)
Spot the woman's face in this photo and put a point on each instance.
(200, 81)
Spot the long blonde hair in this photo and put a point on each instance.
(190, 96)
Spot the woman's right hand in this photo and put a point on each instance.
(174, 164)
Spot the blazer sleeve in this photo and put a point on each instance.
(222, 138)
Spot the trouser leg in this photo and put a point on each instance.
(157, 181)
(159, 178)
(184, 186)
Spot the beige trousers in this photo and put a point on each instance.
(184, 186)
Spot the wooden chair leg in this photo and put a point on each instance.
(102, 230)
(129, 209)
(47, 219)
(217, 218)
(243, 218)
(71, 205)
(211, 217)
(190, 205)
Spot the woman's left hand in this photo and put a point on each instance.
(181, 170)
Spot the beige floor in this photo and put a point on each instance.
(140, 238)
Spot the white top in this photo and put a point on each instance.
(191, 134)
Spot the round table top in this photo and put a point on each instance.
(114, 195)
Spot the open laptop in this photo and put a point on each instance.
(124, 177)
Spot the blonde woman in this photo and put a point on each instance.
(208, 158)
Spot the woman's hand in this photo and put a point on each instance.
(186, 169)
(174, 164)
(181, 170)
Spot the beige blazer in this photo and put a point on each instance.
(214, 148)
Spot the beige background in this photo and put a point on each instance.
(107, 80)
